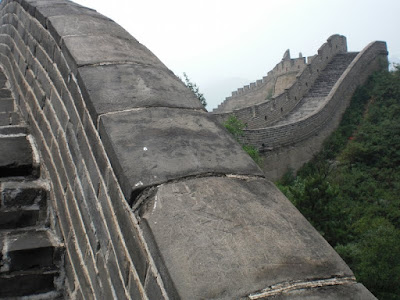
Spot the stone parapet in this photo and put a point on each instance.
(267, 111)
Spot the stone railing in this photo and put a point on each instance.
(365, 63)
(264, 114)
(151, 197)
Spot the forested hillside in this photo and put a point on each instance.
(350, 190)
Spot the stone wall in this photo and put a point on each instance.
(105, 258)
(289, 146)
(151, 197)
(366, 62)
(264, 114)
(276, 81)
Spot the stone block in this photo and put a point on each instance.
(130, 234)
(10, 219)
(25, 284)
(16, 156)
(45, 9)
(80, 269)
(114, 271)
(134, 288)
(104, 277)
(83, 24)
(96, 49)
(153, 289)
(6, 105)
(17, 194)
(150, 146)
(125, 86)
(215, 232)
(28, 249)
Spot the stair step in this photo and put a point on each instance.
(17, 194)
(9, 118)
(7, 105)
(5, 93)
(16, 157)
(29, 250)
(18, 284)
(13, 129)
(10, 219)
(321, 88)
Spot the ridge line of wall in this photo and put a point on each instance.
(263, 114)
(288, 134)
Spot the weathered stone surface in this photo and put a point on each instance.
(348, 292)
(15, 194)
(46, 9)
(96, 49)
(64, 25)
(30, 249)
(6, 105)
(15, 156)
(10, 219)
(153, 145)
(119, 87)
(23, 284)
(225, 238)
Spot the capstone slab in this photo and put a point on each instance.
(354, 291)
(225, 238)
(106, 49)
(153, 145)
(120, 87)
(60, 26)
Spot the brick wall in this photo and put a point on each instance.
(368, 61)
(264, 114)
(106, 257)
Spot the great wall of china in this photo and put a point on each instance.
(308, 101)
(115, 183)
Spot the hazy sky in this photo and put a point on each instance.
(224, 44)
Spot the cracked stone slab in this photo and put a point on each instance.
(226, 238)
(349, 292)
(154, 145)
(120, 87)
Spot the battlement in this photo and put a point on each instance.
(271, 109)
(281, 76)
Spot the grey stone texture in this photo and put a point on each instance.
(116, 128)
(16, 156)
(349, 292)
(224, 238)
(121, 87)
(154, 145)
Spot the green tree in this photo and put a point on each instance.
(195, 89)
(350, 190)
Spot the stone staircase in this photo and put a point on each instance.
(316, 96)
(30, 253)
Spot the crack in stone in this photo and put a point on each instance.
(285, 287)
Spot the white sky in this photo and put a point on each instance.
(224, 44)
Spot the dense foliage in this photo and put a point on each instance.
(350, 191)
(195, 89)
(235, 127)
